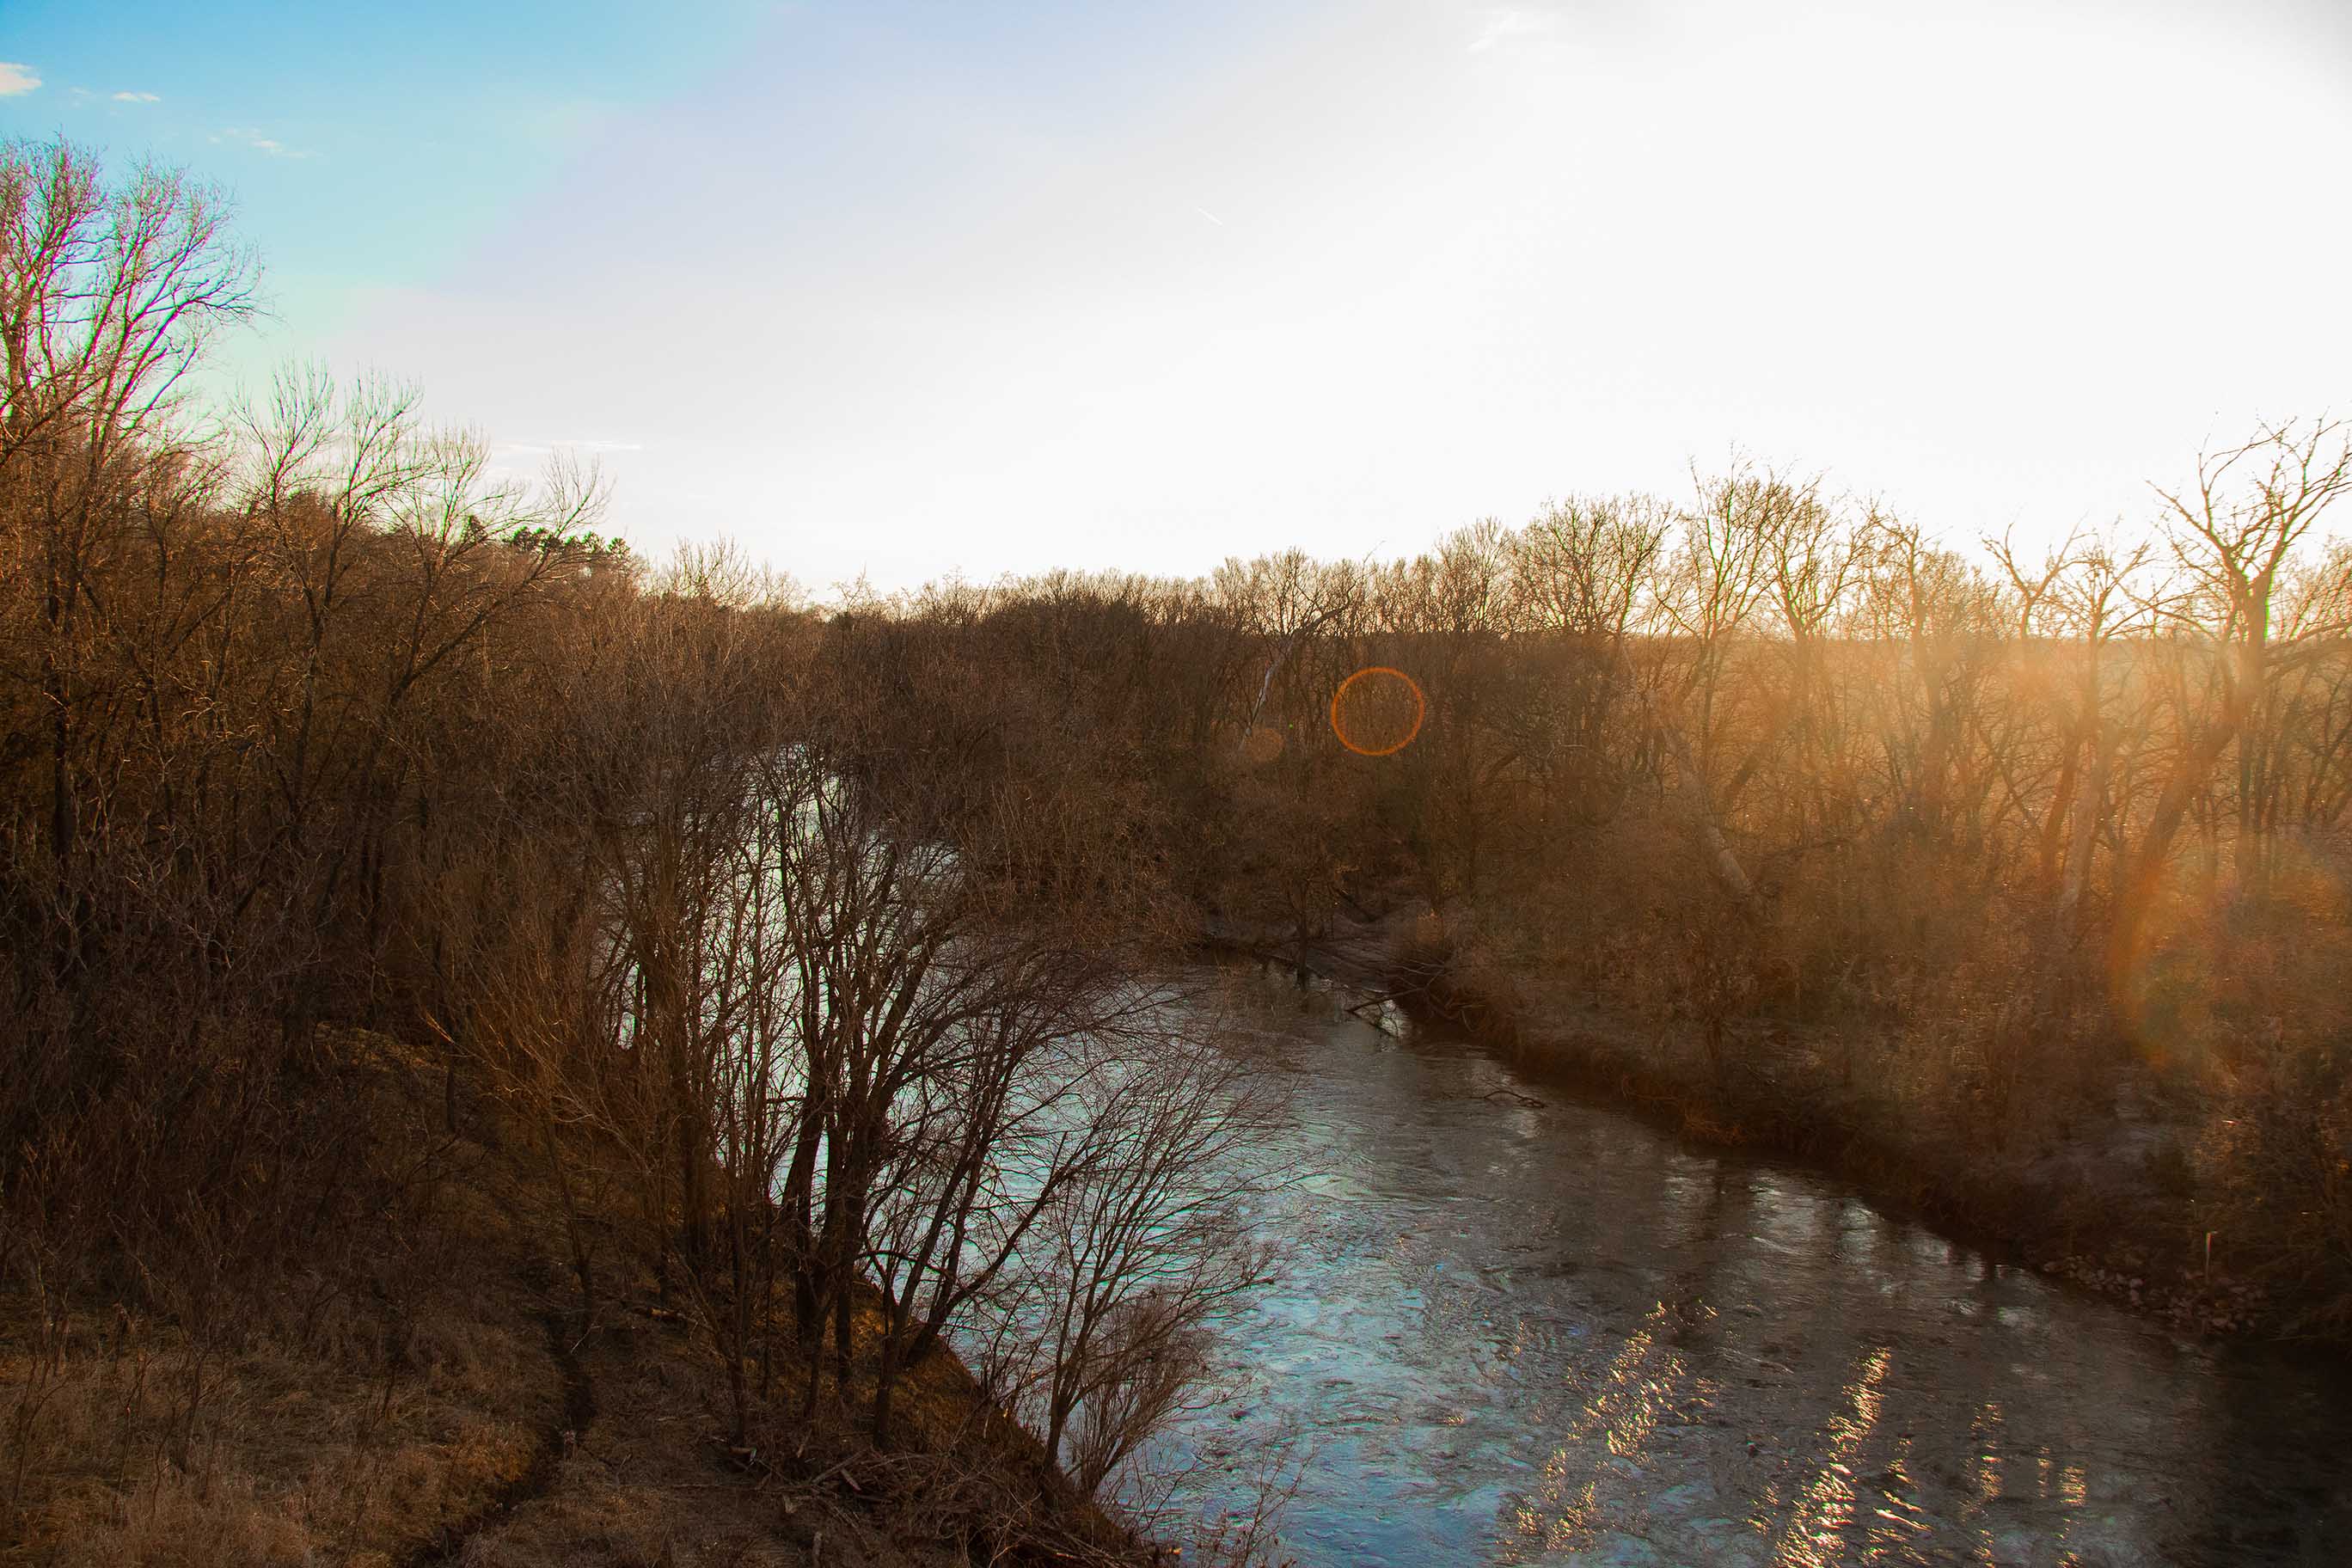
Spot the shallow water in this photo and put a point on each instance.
(1509, 1332)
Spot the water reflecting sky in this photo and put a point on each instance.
(1547, 1333)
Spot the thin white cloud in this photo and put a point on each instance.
(545, 448)
(1504, 23)
(247, 136)
(1210, 216)
(137, 97)
(16, 79)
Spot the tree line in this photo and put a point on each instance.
(2008, 825)
(845, 1032)
(816, 957)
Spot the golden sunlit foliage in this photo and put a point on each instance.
(2014, 836)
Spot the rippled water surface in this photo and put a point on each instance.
(1514, 1333)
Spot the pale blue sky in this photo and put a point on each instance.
(903, 288)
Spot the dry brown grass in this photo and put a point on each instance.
(146, 1446)
(328, 1416)
(427, 1411)
(651, 1480)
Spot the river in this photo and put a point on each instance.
(1510, 1327)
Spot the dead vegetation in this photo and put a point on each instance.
(2000, 876)
(453, 967)
(389, 862)
(446, 1402)
(372, 1401)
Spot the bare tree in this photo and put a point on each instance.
(1149, 1247)
(1716, 579)
(2086, 593)
(108, 295)
(2233, 533)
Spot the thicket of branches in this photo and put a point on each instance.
(2000, 829)
(807, 967)
(812, 953)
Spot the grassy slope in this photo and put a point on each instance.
(446, 1404)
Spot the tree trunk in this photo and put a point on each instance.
(2138, 884)
(1725, 864)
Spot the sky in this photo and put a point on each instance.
(899, 289)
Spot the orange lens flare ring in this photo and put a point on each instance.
(1379, 693)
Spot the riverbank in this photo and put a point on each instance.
(440, 1399)
(2104, 1201)
(1518, 1324)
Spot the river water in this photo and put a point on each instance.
(1512, 1330)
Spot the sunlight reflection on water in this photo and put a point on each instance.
(1547, 1333)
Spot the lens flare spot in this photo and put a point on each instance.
(1378, 710)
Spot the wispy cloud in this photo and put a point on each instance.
(545, 448)
(247, 136)
(16, 79)
(1500, 24)
(137, 97)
